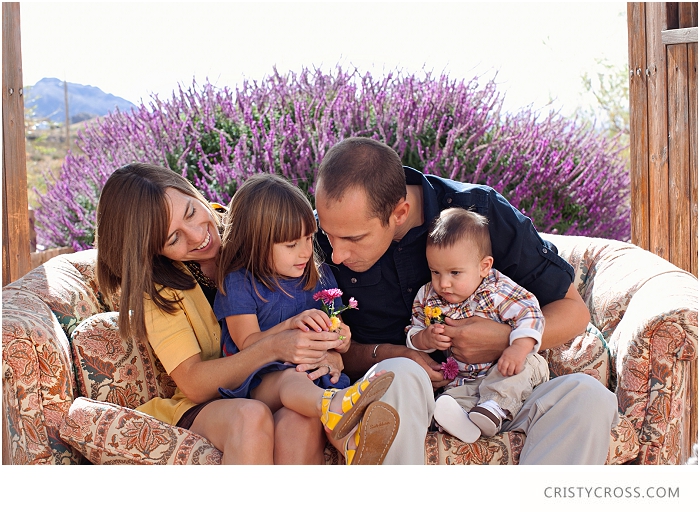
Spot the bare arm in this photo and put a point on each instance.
(358, 359)
(245, 329)
(200, 380)
(565, 319)
(477, 340)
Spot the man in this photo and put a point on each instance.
(373, 216)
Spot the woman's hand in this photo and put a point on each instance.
(332, 364)
(302, 347)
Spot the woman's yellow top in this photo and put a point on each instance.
(192, 329)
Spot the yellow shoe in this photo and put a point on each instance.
(357, 397)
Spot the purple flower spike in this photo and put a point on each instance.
(552, 168)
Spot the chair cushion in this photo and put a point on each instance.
(110, 434)
(109, 369)
(70, 294)
(505, 449)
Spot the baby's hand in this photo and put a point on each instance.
(512, 359)
(312, 319)
(433, 337)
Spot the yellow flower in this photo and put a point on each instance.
(436, 312)
(427, 311)
(427, 322)
(335, 323)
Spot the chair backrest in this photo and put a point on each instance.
(107, 369)
(609, 273)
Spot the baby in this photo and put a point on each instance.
(464, 284)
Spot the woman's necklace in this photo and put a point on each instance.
(201, 278)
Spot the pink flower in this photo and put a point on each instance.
(450, 369)
(328, 295)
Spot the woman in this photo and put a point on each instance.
(158, 242)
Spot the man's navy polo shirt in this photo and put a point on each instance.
(385, 292)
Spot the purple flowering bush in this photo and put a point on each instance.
(566, 178)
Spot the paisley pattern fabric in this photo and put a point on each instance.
(107, 434)
(126, 373)
(70, 384)
(504, 449)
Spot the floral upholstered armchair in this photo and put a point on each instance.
(70, 384)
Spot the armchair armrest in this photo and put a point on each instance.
(655, 347)
(38, 380)
(106, 433)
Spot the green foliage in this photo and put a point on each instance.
(610, 87)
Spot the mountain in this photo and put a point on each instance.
(47, 98)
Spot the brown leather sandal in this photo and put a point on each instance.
(374, 435)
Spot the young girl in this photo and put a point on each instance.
(268, 276)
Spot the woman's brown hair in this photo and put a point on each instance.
(133, 217)
(266, 210)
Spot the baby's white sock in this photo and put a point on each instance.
(453, 419)
(493, 406)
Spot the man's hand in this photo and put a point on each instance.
(358, 359)
(344, 332)
(430, 366)
(476, 339)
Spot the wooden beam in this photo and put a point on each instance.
(639, 131)
(675, 36)
(678, 155)
(15, 215)
(659, 232)
(693, 125)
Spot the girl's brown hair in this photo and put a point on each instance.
(266, 210)
(133, 217)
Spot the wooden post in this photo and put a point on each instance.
(15, 228)
(15, 213)
(663, 58)
(657, 113)
(65, 96)
(663, 129)
(639, 124)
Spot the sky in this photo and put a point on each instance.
(537, 52)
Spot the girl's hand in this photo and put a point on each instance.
(333, 361)
(346, 335)
(312, 319)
